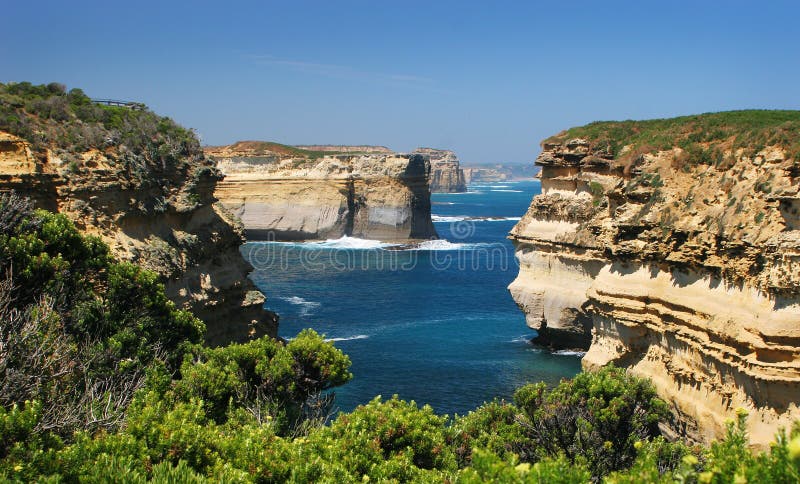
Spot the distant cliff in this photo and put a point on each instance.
(672, 248)
(498, 173)
(303, 194)
(446, 173)
(141, 183)
(342, 149)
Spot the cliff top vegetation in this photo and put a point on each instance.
(49, 116)
(270, 147)
(153, 152)
(749, 129)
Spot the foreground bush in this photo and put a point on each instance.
(77, 329)
(103, 379)
(597, 417)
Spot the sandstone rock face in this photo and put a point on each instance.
(446, 173)
(681, 265)
(167, 222)
(291, 197)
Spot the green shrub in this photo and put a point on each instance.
(493, 426)
(265, 376)
(597, 416)
(487, 467)
(82, 328)
(392, 439)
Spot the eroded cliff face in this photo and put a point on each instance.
(681, 264)
(313, 195)
(166, 221)
(446, 173)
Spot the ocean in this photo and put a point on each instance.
(434, 324)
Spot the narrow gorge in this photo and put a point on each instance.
(287, 193)
(672, 248)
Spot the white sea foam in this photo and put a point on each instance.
(449, 218)
(501, 186)
(441, 244)
(462, 218)
(569, 353)
(349, 338)
(306, 306)
(523, 339)
(346, 242)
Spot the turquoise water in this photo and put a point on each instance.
(435, 324)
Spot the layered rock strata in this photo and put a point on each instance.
(167, 222)
(681, 264)
(447, 176)
(312, 195)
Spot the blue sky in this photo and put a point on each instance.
(487, 79)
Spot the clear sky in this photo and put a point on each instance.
(488, 79)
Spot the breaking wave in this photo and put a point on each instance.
(306, 306)
(348, 338)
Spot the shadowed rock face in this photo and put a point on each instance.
(285, 197)
(684, 272)
(167, 222)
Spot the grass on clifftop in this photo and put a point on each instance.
(263, 148)
(749, 129)
(49, 116)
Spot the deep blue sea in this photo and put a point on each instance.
(434, 324)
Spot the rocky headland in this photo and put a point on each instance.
(672, 248)
(287, 193)
(447, 176)
(142, 184)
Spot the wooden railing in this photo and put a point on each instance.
(122, 104)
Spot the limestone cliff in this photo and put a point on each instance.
(282, 194)
(672, 248)
(480, 175)
(142, 184)
(446, 173)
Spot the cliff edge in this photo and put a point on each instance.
(141, 183)
(672, 248)
(287, 193)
